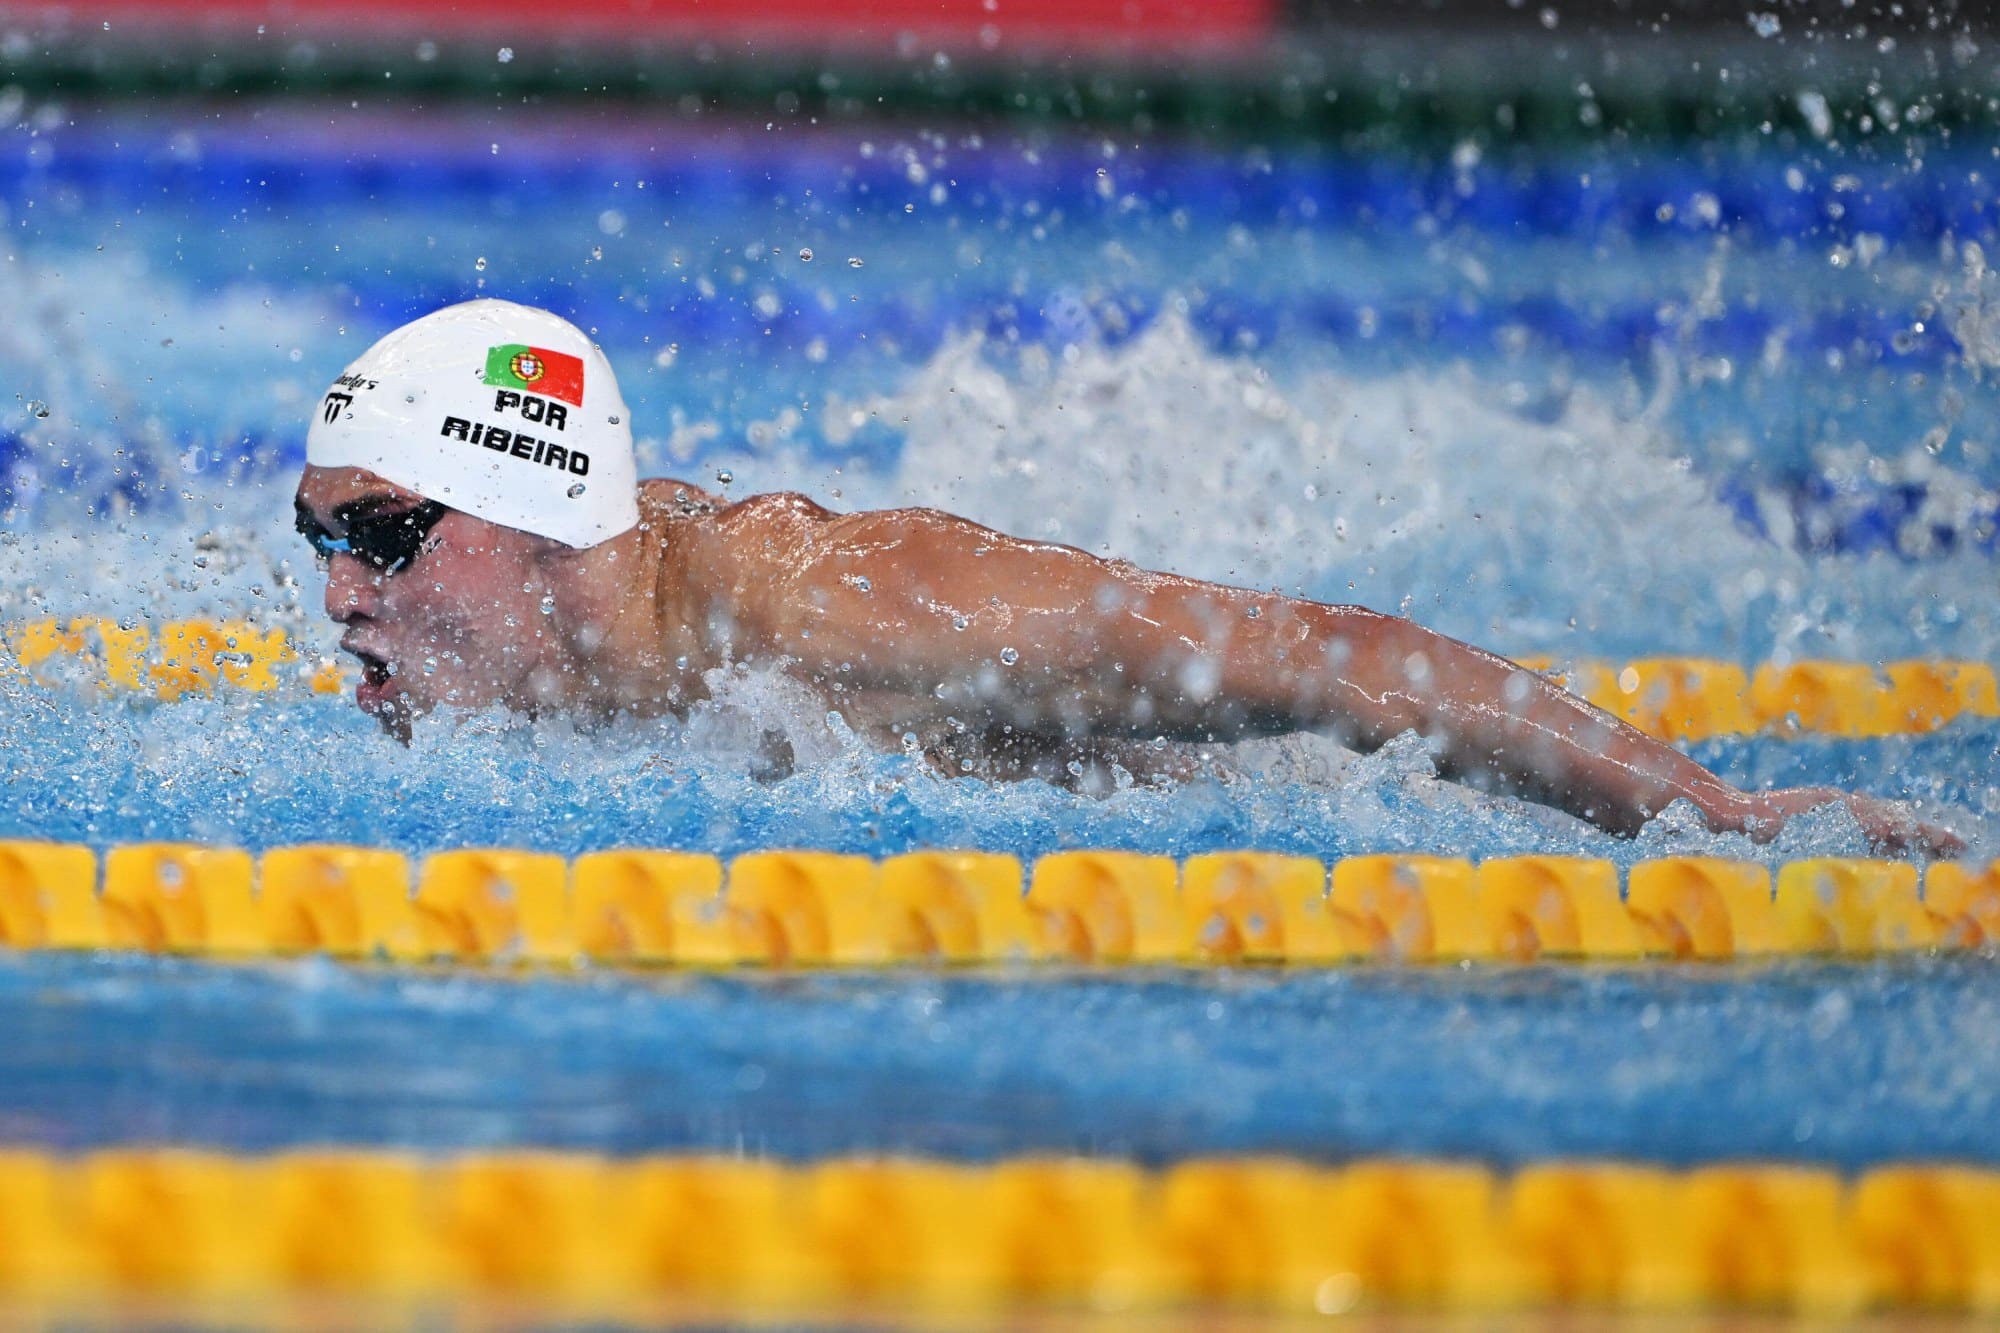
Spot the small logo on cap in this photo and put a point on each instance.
(551, 374)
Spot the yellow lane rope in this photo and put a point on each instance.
(1678, 698)
(634, 907)
(591, 1234)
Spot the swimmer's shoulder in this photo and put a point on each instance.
(664, 500)
(756, 545)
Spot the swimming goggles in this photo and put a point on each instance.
(387, 542)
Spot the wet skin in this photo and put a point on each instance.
(1012, 656)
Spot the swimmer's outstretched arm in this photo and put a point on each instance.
(1053, 640)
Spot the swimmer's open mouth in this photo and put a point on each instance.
(378, 694)
(375, 671)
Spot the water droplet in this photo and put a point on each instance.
(548, 604)
(724, 475)
(854, 263)
(1199, 677)
(614, 419)
(1338, 1294)
(409, 398)
(39, 408)
(959, 622)
(430, 666)
(1009, 656)
(861, 582)
(1255, 613)
(575, 490)
(805, 256)
(597, 252)
(506, 55)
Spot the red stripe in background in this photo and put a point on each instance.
(1085, 22)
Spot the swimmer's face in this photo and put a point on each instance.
(459, 624)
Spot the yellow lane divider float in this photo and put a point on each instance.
(1679, 698)
(1098, 1235)
(186, 657)
(818, 909)
(1691, 699)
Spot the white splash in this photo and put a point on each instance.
(1588, 533)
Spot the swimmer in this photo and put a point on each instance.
(470, 484)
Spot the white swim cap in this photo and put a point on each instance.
(497, 409)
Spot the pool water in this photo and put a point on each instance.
(1728, 400)
(1844, 1066)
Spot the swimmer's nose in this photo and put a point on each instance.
(351, 588)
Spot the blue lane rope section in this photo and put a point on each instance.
(1585, 196)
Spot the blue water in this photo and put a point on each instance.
(1848, 1066)
(1731, 400)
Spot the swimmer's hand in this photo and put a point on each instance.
(1889, 825)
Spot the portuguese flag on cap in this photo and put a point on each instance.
(536, 370)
